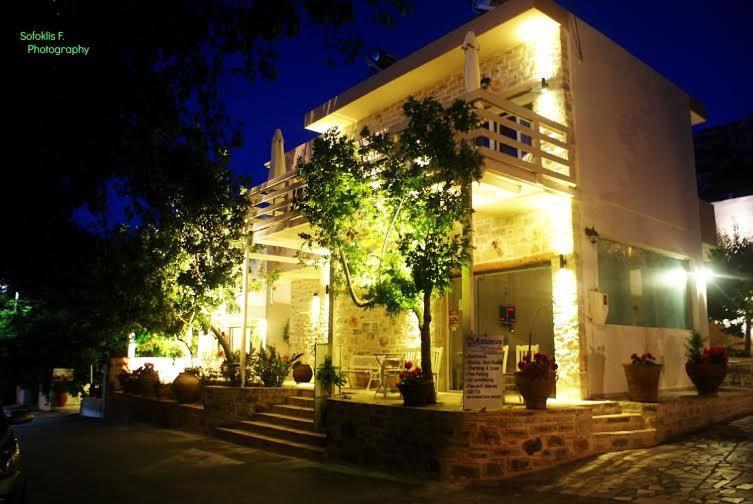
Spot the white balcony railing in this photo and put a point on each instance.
(515, 141)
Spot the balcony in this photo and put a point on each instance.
(524, 153)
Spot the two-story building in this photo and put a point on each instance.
(588, 190)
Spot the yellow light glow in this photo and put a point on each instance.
(316, 305)
(676, 277)
(566, 336)
(542, 35)
(559, 213)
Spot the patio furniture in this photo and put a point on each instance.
(508, 380)
(388, 363)
(364, 363)
(742, 371)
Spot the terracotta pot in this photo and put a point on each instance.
(148, 382)
(417, 394)
(535, 392)
(302, 373)
(706, 377)
(643, 381)
(186, 388)
(60, 399)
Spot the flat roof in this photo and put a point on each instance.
(499, 29)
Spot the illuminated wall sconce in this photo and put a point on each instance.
(485, 82)
(544, 84)
(563, 261)
(592, 235)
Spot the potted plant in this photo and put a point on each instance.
(415, 389)
(643, 375)
(272, 368)
(302, 373)
(59, 393)
(536, 379)
(706, 366)
(186, 385)
(330, 376)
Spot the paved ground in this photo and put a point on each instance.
(712, 466)
(72, 459)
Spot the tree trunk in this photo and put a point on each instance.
(224, 343)
(747, 335)
(425, 326)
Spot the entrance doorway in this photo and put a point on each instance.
(506, 303)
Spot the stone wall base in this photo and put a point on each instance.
(125, 408)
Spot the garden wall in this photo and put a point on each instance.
(455, 445)
(125, 408)
(687, 413)
(224, 404)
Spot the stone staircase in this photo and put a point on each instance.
(287, 429)
(621, 426)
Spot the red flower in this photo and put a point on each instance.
(634, 356)
(286, 358)
(408, 365)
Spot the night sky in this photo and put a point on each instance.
(706, 47)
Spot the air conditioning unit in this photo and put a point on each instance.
(598, 306)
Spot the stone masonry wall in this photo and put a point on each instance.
(509, 237)
(224, 404)
(674, 418)
(360, 331)
(304, 331)
(455, 445)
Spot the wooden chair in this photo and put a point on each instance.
(521, 350)
(414, 355)
(363, 363)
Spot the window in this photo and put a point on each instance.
(645, 288)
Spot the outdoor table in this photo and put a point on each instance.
(386, 359)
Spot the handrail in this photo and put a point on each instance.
(539, 151)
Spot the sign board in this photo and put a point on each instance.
(482, 369)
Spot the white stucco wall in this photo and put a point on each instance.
(735, 212)
(636, 185)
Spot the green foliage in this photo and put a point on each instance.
(230, 370)
(329, 375)
(154, 345)
(730, 291)
(395, 212)
(272, 368)
(694, 348)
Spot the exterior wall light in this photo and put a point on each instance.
(592, 235)
(544, 84)
(563, 261)
(485, 82)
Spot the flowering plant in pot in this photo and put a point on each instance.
(706, 366)
(415, 389)
(642, 375)
(536, 379)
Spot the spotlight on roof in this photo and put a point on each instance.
(379, 59)
(483, 6)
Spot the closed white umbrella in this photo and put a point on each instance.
(277, 160)
(472, 71)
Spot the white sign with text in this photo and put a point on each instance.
(482, 364)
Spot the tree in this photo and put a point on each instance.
(123, 212)
(394, 213)
(730, 292)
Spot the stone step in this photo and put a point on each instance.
(605, 408)
(291, 410)
(295, 422)
(276, 430)
(624, 440)
(304, 392)
(305, 401)
(618, 422)
(271, 443)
